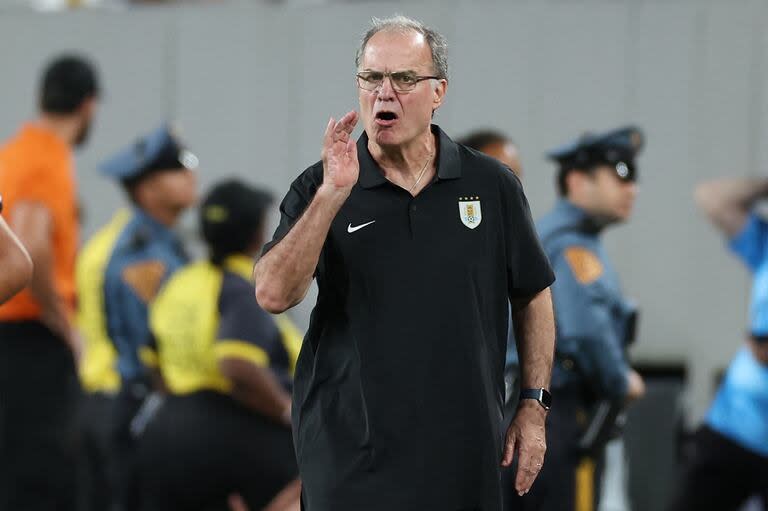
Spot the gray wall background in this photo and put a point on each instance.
(252, 87)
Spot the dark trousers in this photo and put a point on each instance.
(95, 429)
(38, 410)
(718, 474)
(202, 447)
(568, 481)
(122, 455)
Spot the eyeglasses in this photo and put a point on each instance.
(402, 81)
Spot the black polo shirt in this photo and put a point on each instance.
(399, 385)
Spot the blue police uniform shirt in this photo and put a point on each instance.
(740, 408)
(145, 255)
(591, 314)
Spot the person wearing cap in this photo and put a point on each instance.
(227, 366)
(418, 245)
(131, 258)
(595, 322)
(728, 458)
(38, 344)
(496, 145)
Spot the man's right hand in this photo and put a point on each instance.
(340, 166)
(635, 387)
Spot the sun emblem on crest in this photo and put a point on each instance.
(469, 211)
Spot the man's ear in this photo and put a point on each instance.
(439, 90)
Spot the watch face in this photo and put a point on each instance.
(546, 398)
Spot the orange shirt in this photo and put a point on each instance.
(37, 166)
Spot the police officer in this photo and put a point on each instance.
(157, 174)
(97, 369)
(728, 459)
(596, 184)
(228, 366)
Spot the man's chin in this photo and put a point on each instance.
(385, 137)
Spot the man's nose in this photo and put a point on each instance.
(385, 90)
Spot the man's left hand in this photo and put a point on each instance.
(526, 437)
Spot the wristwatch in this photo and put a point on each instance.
(541, 395)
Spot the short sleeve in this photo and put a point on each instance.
(43, 184)
(750, 243)
(245, 330)
(294, 203)
(528, 269)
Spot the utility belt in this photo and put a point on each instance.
(136, 403)
(603, 420)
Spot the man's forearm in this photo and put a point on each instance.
(535, 336)
(283, 275)
(32, 224)
(258, 389)
(54, 312)
(15, 261)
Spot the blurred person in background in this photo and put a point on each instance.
(595, 322)
(131, 258)
(98, 364)
(227, 365)
(14, 260)
(418, 244)
(38, 346)
(497, 145)
(727, 461)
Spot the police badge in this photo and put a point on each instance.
(469, 211)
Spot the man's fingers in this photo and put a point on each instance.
(328, 136)
(347, 123)
(509, 450)
(352, 149)
(236, 503)
(528, 467)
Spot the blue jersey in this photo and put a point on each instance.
(594, 320)
(145, 255)
(740, 408)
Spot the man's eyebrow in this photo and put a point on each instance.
(369, 70)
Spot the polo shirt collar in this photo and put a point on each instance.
(448, 161)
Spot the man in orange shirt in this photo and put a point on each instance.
(38, 383)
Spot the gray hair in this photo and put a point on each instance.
(399, 23)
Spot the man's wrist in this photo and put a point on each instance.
(330, 194)
(531, 407)
(538, 396)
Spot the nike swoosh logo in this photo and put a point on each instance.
(351, 229)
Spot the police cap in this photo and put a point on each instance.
(159, 150)
(617, 148)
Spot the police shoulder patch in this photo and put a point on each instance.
(144, 278)
(584, 264)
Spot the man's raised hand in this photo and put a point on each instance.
(340, 166)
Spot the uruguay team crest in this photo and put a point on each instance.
(469, 211)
